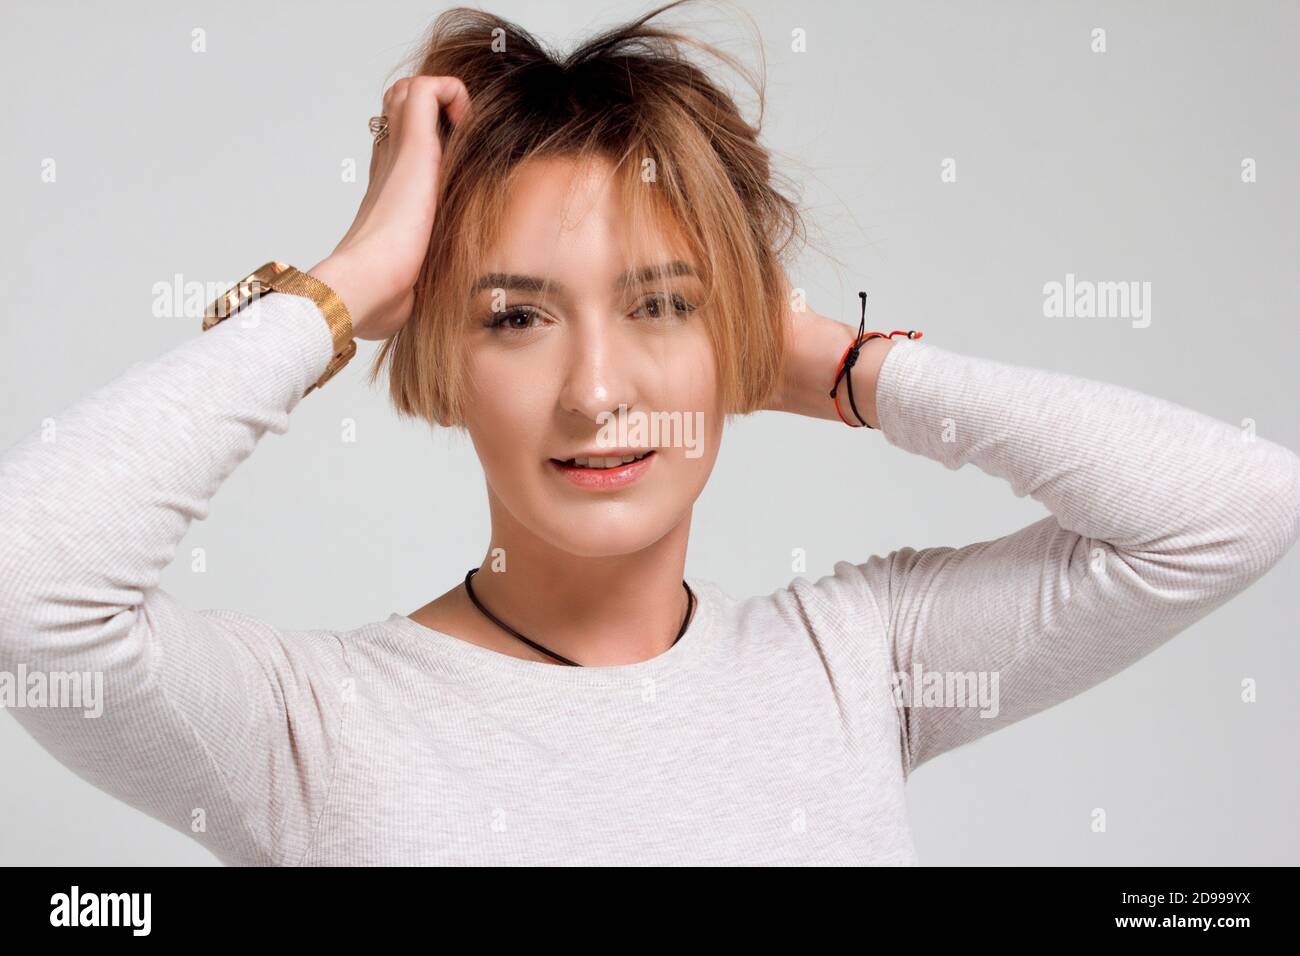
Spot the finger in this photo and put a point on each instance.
(394, 108)
(375, 146)
(387, 108)
(427, 96)
(454, 98)
(393, 98)
(393, 92)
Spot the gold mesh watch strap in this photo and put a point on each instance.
(284, 278)
(292, 282)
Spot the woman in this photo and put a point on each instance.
(547, 248)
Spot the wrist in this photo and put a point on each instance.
(338, 273)
(814, 356)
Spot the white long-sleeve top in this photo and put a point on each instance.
(780, 729)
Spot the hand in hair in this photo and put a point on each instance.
(374, 267)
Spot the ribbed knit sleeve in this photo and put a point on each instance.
(213, 722)
(1159, 514)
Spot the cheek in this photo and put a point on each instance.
(687, 372)
(692, 389)
(503, 416)
(694, 384)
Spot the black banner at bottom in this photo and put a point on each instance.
(218, 904)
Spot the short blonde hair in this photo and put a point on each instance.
(629, 96)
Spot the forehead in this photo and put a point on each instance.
(563, 216)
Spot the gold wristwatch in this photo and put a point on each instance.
(282, 277)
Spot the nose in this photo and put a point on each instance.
(598, 373)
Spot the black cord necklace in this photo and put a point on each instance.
(690, 606)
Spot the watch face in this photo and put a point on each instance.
(231, 302)
(252, 286)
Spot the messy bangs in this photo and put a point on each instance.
(691, 178)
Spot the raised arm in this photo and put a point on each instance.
(213, 722)
(216, 723)
(1159, 514)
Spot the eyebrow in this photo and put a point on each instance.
(509, 280)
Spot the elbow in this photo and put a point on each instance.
(51, 621)
(15, 577)
(1246, 525)
(61, 596)
(20, 619)
(20, 560)
(1264, 515)
(40, 608)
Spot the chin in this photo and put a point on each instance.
(596, 538)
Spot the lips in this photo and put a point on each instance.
(619, 451)
(608, 460)
(602, 479)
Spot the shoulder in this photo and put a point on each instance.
(283, 648)
(834, 617)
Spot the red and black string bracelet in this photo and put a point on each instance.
(850, 358)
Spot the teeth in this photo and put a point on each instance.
(607, 462)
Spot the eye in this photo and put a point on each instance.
(504, 321)
(658, 304)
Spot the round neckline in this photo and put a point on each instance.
(469, 659)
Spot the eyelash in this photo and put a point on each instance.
(498, 322)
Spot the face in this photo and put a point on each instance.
(549, 370)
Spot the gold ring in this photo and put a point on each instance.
(379, 127)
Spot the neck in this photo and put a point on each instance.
(598, 611)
